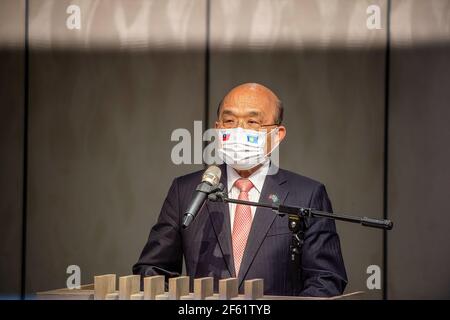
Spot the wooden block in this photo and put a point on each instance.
(137, 296)
(112, 296)
(153, 286)
(203, 287)
(178, 287)
(164, 296)
(253, 289)
(228, 288)
(104, 285)
(128, 285)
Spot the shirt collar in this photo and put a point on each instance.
(257, 177)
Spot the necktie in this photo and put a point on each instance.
(242, 223)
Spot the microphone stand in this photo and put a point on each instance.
(296, 222)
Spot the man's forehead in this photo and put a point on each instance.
(252, 99)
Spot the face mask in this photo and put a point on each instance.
(243, 149)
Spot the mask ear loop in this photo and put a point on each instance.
(274, 147)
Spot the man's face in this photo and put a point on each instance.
(251, 107)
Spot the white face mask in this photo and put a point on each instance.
(243, 149)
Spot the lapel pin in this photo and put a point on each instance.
(274, 198)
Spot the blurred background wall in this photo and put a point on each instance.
(87, 114)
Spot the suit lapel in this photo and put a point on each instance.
(219, 215)
(263, 219)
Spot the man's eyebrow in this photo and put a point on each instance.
(254, 113)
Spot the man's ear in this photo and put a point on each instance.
(281, 133)
(216, 125)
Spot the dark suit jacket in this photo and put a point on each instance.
(207, 249)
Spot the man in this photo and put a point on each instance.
(228, 240)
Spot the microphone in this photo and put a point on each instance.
(210, 180)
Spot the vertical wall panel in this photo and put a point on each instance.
(419, 154)
(12, 32)
(104, 102)
(328, 68)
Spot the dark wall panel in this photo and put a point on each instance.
(12, 26)
(419, 153)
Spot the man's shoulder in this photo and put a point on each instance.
(296, 179)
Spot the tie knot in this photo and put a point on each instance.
(244, 185)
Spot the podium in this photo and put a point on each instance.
(104, 288)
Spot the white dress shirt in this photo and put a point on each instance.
(257, 178)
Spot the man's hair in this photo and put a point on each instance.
(278, 117)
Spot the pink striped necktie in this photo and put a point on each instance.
(242, 222)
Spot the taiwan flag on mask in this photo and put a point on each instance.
(225, 136)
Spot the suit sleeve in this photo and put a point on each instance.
(323, 271)
(162, 254)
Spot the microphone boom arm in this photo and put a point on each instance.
(281, 210)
